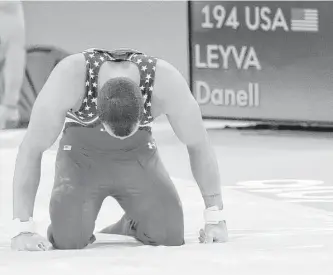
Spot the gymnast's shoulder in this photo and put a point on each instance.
(65, 81)
(70, 70)
(170, 84)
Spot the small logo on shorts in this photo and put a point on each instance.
(67, 147)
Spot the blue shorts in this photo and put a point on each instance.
(135, 176)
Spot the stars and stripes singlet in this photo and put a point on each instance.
(87, 114)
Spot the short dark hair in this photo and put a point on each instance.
(120, 105)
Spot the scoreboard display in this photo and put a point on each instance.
(266, 61)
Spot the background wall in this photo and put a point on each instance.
(155, 27)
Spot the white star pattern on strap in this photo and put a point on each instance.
(146, 86)
(151, 145)
(87, 114)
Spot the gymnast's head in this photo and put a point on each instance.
(120, 107)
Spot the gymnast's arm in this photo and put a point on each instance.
(59, 94)
(185, 117)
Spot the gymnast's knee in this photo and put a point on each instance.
(167, 236)
(63, 240)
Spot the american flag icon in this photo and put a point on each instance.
(304, 20)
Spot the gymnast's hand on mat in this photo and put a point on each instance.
(9, 116)
(30, 242)
(214, 233)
